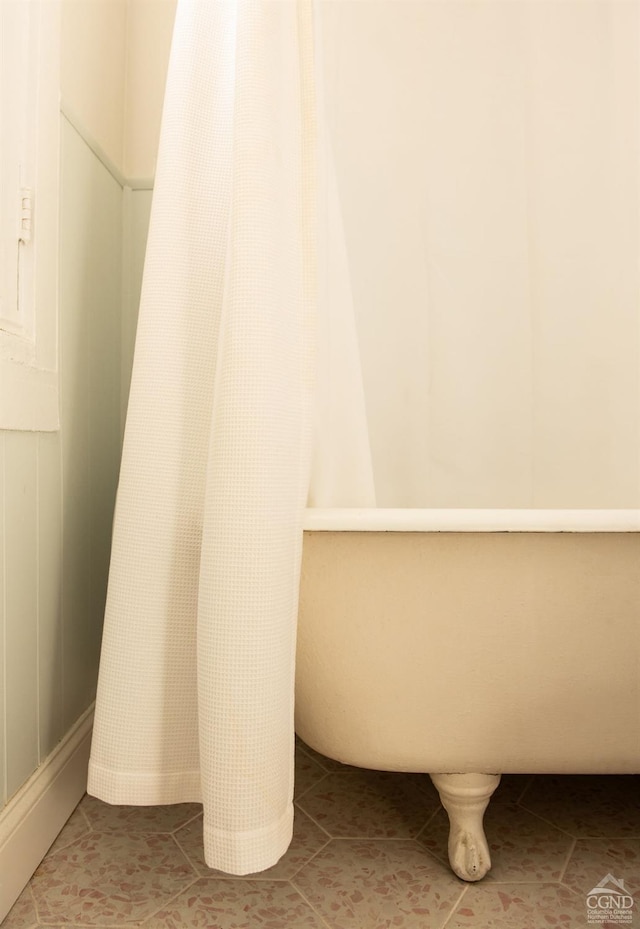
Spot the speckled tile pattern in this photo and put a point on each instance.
(308, 773)
(592, 859)
(369, 852)
(137, 819)
(359, 882)
(24, 914)
(110, 877)
(235, 904)
(587, 807)
(519, 906)
(372, 804)
(77, 827)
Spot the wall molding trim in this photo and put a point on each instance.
(134, 183)
(31, 821)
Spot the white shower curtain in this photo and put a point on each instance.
(195, 695)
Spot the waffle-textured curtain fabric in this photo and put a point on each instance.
(195, 695)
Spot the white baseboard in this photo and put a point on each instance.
(31, 821)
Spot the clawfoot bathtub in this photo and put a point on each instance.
(471, 643)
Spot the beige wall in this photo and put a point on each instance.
(114, 62)
(150, 25)
(93, 70)
(487, 163)
(487, 159)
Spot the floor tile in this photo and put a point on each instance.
(511, 788)
(587, 806)
(143, 867)
(522, 846)
(308, 839)
(308, 773)
(23, 914)
(592, 859)
(106, 878)
(327, 764)
(76, 827)
(519, 906)
(372, 804)
(224, 904)
(104, 817)
(364, 884)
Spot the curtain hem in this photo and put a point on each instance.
(248, 852)
(130, 789)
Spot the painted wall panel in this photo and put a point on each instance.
(91, 230)
(76, 210)
(137, 211)
(103, 306)
(49, 580)
(21, 604)
(3, 756)
(58, 489)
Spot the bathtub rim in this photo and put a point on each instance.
(384, 519)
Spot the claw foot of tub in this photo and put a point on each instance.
(465, 797)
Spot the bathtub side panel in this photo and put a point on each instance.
(471, 651)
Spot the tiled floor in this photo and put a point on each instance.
(369, 852)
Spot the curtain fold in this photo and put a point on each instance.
(195, 697)
(195, 692)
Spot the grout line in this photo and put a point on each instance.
(302, 810)
(455, 907)
(311, 787)
(524, 790)
(309, 903)
(517, 880)
(371, 838)
(547, 821)
(441, 859)
(187, 822)
(439, 809)
(309, 860)
(30, 892)
(306, 750)
(567, 860)
(165, 903)
(85, 817)
(182, 852)
(192, 864)
(259, 877)
(574, 892)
